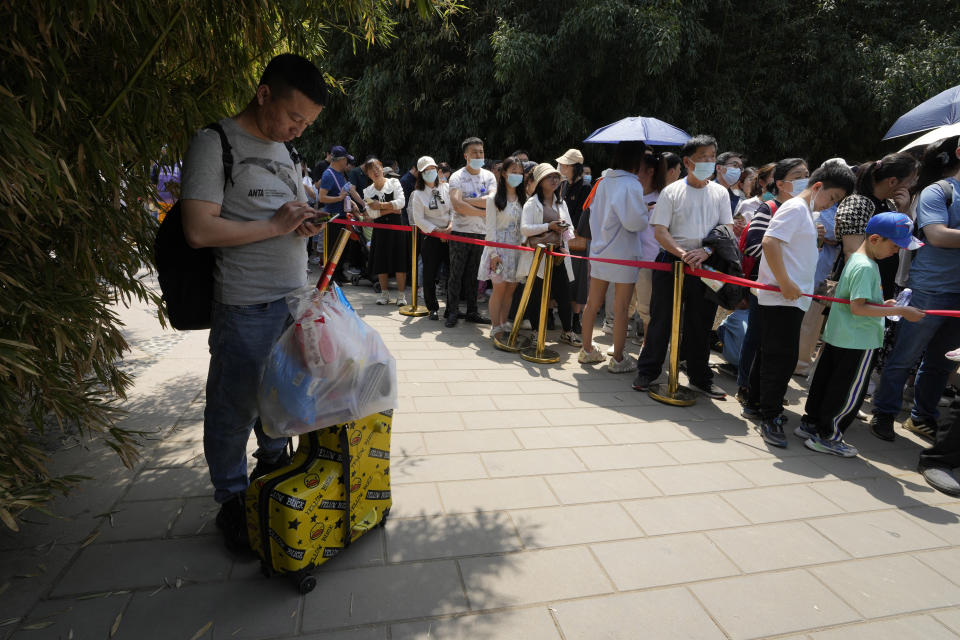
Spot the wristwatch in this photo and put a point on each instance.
(708, 250)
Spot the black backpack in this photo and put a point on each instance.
(185, 273)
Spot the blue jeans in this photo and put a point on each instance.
(751, 340)
(240, 341)
(932, 337)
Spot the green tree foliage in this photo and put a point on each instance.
(89, 94)
(768, 77)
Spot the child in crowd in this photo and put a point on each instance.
(852, 335)
(789, 262)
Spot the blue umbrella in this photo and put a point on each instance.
(643, 128)
(941, 109)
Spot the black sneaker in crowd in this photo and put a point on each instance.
(772, 433)
(476, 318)
(882, 426)
(742, 394)
(232, 522)
(926, 428)
(263, 467)
(451, 321)
(577, 327)
(434, 315)
(641, 382)
(710, 390)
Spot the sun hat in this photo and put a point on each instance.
(894, 226)
(543, 170)
(572, 156)
(424, 162)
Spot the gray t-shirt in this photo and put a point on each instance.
(264, 178)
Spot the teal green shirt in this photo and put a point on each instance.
(860, 279)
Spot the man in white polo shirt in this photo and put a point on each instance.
(469, 189)
(686, 211)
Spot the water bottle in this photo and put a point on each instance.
(903, 300)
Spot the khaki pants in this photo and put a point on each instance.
(809, 336)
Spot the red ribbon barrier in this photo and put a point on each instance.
(655, 266)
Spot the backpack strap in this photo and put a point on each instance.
(226, 152)
(293, 153)
(947, 187)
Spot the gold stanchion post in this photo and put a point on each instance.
(671, 392)
(513, 341)
(540, 354)
(412, 310)
(326, 233)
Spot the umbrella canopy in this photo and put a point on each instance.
(642, 128)
(933, 136)
(941, 109)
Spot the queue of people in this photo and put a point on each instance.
(842, 230)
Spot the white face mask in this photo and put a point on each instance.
(731, 175)
(702, 170)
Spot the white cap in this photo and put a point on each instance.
(424, 162)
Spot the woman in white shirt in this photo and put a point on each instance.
(389, 250)
(546, 213)
(618, 215)
(503, 225)
(430, 211)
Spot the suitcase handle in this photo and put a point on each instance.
(369, 521)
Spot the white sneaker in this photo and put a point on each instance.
(526, 324)
(607, 328)
(589, 357)
(383, 298)
(627, 365)
(401, 300)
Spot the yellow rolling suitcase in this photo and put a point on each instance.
(336, 488)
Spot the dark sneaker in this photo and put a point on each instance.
(742, 396)
(772, 433)
(926, 428)
(577, 327)
(882, 426)
(232, 522)
(806, 430)
(941, 479)
(710, 390)
(476, 318)
(434, 315)
(641, 382)
(451, 321)
(750, 412)
(826, 445)
(263, 467)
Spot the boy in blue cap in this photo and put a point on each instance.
(852, 335)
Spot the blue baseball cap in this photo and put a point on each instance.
(894, 226)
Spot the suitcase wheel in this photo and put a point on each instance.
(305, 582)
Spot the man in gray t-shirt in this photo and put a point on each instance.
(258, 225)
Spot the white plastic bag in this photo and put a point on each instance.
(328, 367)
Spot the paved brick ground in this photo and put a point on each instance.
(533, 502)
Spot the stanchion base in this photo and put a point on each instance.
(682, 397)
(501, 340)
(547, 356)
(413, 311)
